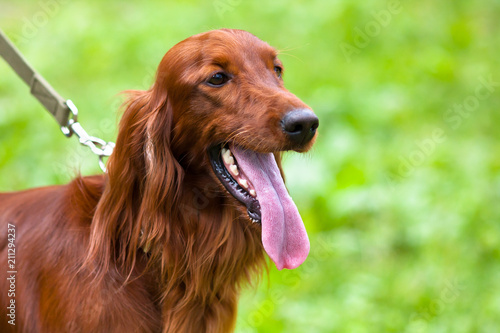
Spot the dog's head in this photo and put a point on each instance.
(219, 109)
(228, 85)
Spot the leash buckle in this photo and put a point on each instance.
(73, 114)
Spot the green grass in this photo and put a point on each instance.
(401, 194)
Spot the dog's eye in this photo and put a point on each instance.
(278, 70)
(218, 79)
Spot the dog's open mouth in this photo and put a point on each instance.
(234, 180)
(255, 180)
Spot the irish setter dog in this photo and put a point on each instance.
(193, 197)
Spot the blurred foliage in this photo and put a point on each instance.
(401, 193)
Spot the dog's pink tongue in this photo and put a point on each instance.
(283, 234)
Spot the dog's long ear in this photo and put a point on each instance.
(143, 183)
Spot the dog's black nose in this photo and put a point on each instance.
(300, 125)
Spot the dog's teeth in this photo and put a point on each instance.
(252, 193)
(244, 183)
(226, 152)
(228, 159)
(234, 169)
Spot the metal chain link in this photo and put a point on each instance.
(98, 146)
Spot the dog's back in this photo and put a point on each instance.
(49, 231)
(29, 245)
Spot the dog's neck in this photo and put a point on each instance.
(197, 259)
(208, 254)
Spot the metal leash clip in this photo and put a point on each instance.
(98, 146)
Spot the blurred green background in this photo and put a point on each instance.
(401, 193)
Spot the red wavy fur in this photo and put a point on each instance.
(81, 259)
